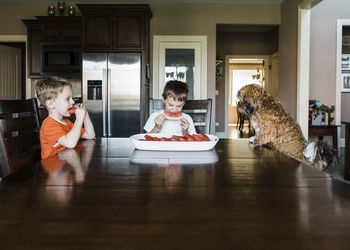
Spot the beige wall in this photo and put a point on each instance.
(11, 15)
(245, 43)
(288, 39)
(323, 53)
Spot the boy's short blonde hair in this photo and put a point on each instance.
(177, 90)
(49, 88)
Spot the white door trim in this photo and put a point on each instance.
(10, 69)
(227, 82)
(338, 77)
(20, 38)
(162, 42)
(303, 70)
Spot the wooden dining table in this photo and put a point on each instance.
(104, 194)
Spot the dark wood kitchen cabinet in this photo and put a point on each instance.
(114, 27)
(33, 45)
(97, 30)
(58, 29)
(45, 29)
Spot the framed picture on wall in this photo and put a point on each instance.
(345, 61)
(345, 82)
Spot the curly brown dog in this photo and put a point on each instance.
(275, 127)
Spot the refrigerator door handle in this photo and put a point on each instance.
(109, 102)
(104, 104)
(147, 72)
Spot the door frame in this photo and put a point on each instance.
(227, 82)
(338, 77)
(161, 42)
(303, 68)
(20, 38)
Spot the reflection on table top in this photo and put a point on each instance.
(106, 195)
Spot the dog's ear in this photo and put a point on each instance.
(256, 95)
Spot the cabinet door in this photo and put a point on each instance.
(34, 50)
(71, 32)
(51, 32)
(127, 31)
(97, 31)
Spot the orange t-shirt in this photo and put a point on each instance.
(52, 164)
(51, 130)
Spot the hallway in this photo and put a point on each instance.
(234, 133)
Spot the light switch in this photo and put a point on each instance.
(217, 124)
(216, 92)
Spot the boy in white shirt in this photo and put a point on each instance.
(170, 120)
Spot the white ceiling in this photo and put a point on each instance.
(150, 1)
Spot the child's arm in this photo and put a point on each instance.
(71, 139)
(187, 125)
(156, 129)
(89, 128)
(184, 124)
(158, 121)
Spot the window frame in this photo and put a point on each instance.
(198, 43)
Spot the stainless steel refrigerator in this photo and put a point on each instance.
(111, 92)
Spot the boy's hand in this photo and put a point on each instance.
(184, 124)
(80, 111)
(158, 121)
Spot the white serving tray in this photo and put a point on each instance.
(174, 157)
(172, 145)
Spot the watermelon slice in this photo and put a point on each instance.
(72, 110)
(184, 137)
(173, 116)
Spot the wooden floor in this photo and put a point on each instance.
(105, 195)
(234, 133)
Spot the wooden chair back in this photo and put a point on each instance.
(199, 110)
(20, 138)
(241, 118)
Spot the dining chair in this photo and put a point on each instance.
(20, 138)
(199, 110)
(241, 118)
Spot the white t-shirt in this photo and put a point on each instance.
(169, 126)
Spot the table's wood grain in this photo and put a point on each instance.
(248, 198)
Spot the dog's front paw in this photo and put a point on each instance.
(255, 140)
(252, 140)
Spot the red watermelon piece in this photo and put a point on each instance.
(173, 116)
(72, 110)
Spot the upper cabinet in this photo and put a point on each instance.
(114, 27)
(66, 29)
(45, 29)
(33, 45)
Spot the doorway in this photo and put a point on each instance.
(242, 70)
(13, 60)
(342, 71)
(254, 45)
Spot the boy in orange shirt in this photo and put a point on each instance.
(57, 132)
